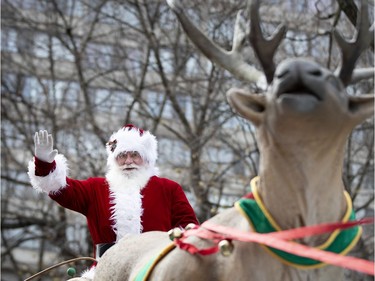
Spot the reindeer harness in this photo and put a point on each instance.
(261, 221)
(343, 238)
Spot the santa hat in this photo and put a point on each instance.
(131, 138)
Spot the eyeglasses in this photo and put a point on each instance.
(126, 154)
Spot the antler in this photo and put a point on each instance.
(229, 60)
(264, 48)
(351, 50)
(361, 74)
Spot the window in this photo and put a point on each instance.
(102, 98)
(12, 139)
(32, 90)
(109, 12)
(36, 5)
(41, 45)
(8, 83)
(121, 101)
(68, 7)
(60, 51)
(76, 232)
(25, 41)
(111, 101)
(9, 40)
(99, 56)
(68, 142)
(166, 59)
(218, 155)
(71, 7)
(168, 111)
(192, 65)
(186, 105)
(131, 59)
(231, 123)
(174, 152)
(29, 237)
(155, 102)
(239, 168)
(44, 46)
(66, 92)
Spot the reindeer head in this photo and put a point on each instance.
(304, 96)
(301, 93)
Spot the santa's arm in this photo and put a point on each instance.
(48, 173)
(51, 178)
(182, 212)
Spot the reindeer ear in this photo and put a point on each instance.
(361, 107)
(248, 105)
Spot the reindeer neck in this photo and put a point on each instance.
(302, 186)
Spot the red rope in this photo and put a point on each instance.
(279, 240)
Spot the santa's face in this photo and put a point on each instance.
(129, 162)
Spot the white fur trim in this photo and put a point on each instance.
(89, 273)
(130, 139)
(126, 198)
(52, 182)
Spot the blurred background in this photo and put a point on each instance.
(81, 69)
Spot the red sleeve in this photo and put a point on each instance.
(182, 212)
(76, 196)
(42, 168)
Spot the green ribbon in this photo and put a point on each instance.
(261, 224)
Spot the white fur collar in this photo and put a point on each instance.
(126, 198)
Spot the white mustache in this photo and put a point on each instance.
(131, 166)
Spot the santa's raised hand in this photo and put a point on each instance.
(44, 146)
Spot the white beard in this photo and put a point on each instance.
(126, 198)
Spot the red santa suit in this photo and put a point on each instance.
(118, 205)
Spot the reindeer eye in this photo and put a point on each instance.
(335, 82)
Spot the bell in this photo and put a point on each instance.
(190, 226)
(71, 271)
(226, 248)
(175, 233)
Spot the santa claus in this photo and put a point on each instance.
(130, 199)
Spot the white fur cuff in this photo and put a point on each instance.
(52, 182)
(89, 274)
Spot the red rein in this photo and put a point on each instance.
(279, 240)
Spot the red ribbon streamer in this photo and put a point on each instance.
(279, 240)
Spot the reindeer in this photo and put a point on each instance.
(302, 122)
